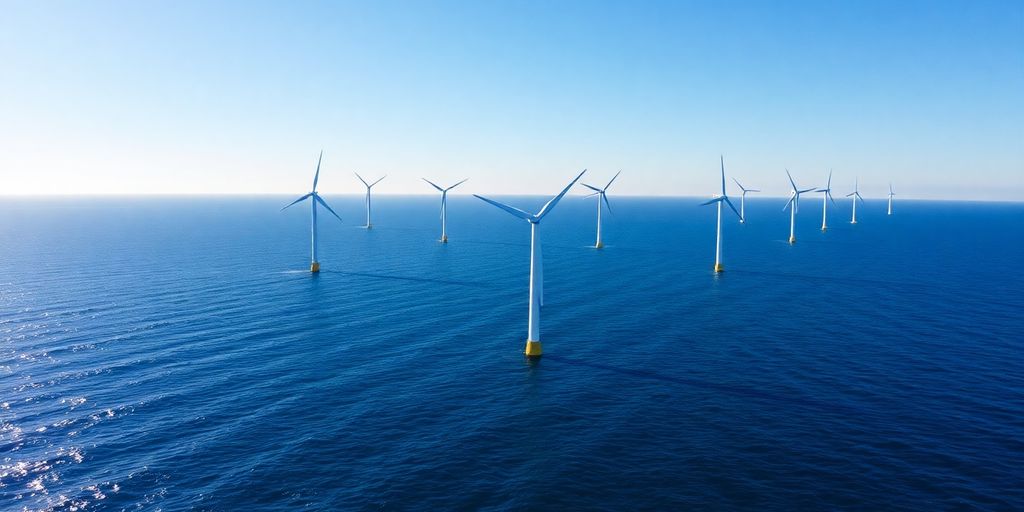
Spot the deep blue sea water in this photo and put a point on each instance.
(175, 354)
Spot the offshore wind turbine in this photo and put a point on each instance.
(826, 194)
(601, 193)
(314, 198)
(369, 225)
(743, 200)
(855, 195)
(891, 193)
(533, 347)
(721, 199)
(444, 207)
(794, 206)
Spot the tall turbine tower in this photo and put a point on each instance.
(794, 206)
(533, 347)
(444, 207)
(314, 198)
(743, 200)
(601, 193)
(721, 199)
(369, 225)
(891, 193)
(826, 195)
(855, 195)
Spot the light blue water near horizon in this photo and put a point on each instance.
(175, 354)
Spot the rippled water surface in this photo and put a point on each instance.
(174, 354)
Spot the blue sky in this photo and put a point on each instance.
(224, 97)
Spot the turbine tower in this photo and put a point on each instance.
(369, 225)
(533, 346)
(891, 193)
(314, 198)
(601, 193)
(444, 207)
(721, 199)
(743, 200)
(826, 195)
(855, 195)
(794, 206)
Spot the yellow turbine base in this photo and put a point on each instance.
(853, 222)
(824, 229)
(444, 239)
(315, 267)
(792, 239)
(719, 267)
(600, 245)
(533, 349)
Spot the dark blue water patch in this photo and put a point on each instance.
(176, 354)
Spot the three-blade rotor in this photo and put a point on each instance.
(603, 192)
(723, 197)
(314, 196)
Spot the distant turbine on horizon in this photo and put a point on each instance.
(721, 199)
(369, 225)
(444, 207)
(743, 200)
(891, 193)
(855, 195)
(826, 195)
(533, 346)
(794, 206)
(314, 198)
(601, 193)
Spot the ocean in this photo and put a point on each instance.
(175, 353)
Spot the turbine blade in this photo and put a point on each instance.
(612, 180)
(433, 184)
(740, 186)
(712, 201)
(784, 208)
(606, 203)
(790, 176)
(457, 184)
(751, 190)
(324, 204)
(510, 209)
(829, 184)
(299, 200)
(723, 174)
(830, 197)
(378, 181)
(362, 180)
(592, 194)
(850, 194)
(316, 177)
(806, 191)
(551, 204)
(728, 202)
(595, 189)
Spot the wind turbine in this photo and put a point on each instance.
(855, 195)
(721, 199)
(444, 207)
(794, 206)
(314, 198)
(891, 193)
(533, 347)
(826, 194)
(743, 200)
(600, 192)
(369, 225)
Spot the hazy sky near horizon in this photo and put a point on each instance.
(239, 97)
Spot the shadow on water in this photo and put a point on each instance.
(740, 391)
(409, 278)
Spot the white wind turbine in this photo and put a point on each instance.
(533, 347)
(721, 199)
(314, 199)
(601, 193)
(444, 207)
(826, 195)
(855, 195)
(891, 193)
(369, 225)
(743, 200)
(794, 206)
